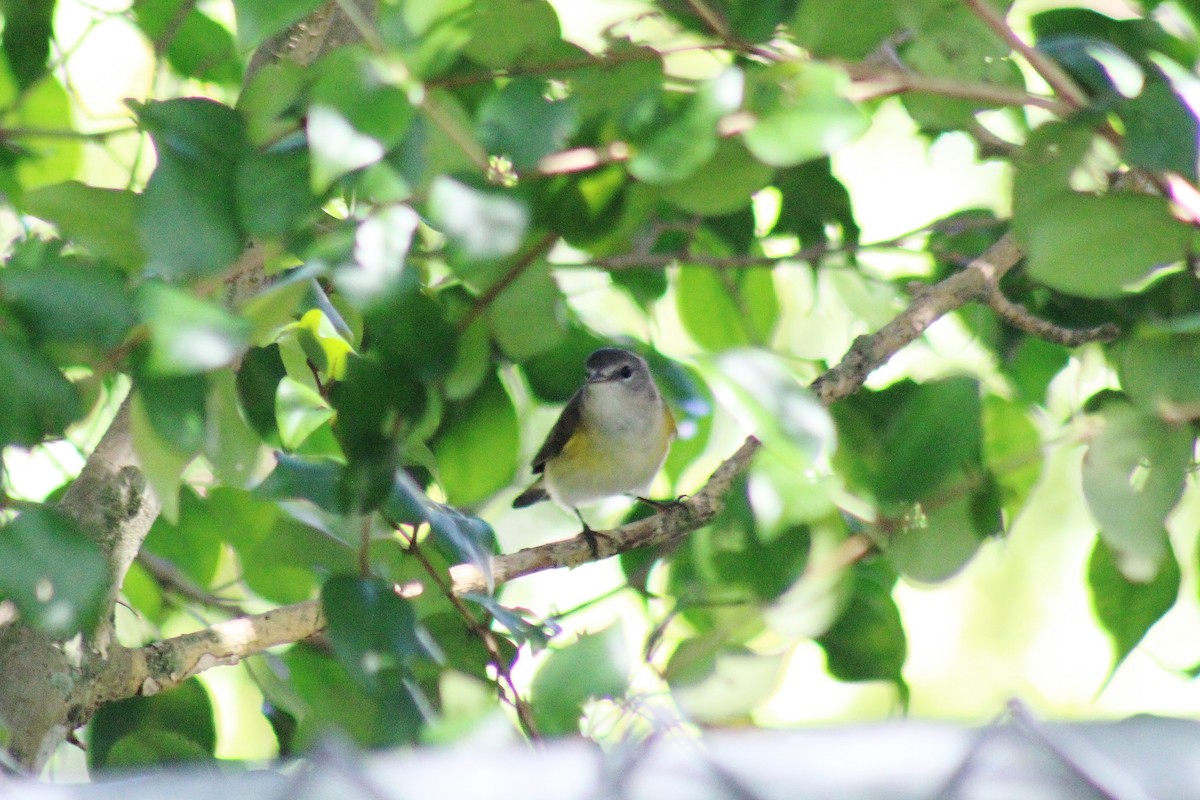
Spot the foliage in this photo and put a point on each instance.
(455, 210)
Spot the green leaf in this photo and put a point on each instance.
(54, 574)
(677, 140)
(312, 479)
(1160, 131)
(100, 220)
(187, 222)
(372, 629)
(273, 194)
(1128, 609)
(38, 401)
(1012, 451)
(144, 750)
(847, 29)
(197, 46)
(912, 439)
(184, 713)
(412, 335)
(724, 185)
(800, 113)
(288, 562)
(476, 448)
(258, 378)
(464, 538)
(502, 30)
(1160, 370)
(1134, 473)
(194, 543)
(526, 318)
(867, 642)
(46, 299)
(596, 665)
(523, 124)
(188, 335)
(428, 34)
(1097, 246)
(723, 309)
(259, 19)
(934, 545)
(175, 408)
(715, 683)
(331, 701)
(28, 28)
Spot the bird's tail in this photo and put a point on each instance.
(536, 493)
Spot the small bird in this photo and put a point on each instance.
(611, 438)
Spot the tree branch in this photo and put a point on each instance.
(1058, 80)
(164, 664)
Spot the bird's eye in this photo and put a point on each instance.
(626, 372)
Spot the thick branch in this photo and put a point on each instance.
(868, 353)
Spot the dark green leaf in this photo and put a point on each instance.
(678, 139)
(55, 576)
(934, 545)
(38, 401)
(523, 124)
(522, 626)
(372, 629)
(100, 220)
(412, 334)
(867, 642)
(723, 185)
(175, 407)
(1160, 370)
(258, 378)
(847, 29)
(185, 712)
(476, 448)
(196, 45)
(187, 222)
(28, 28)
(1160, 131)
(502, 30)
(273, 194)
(1127, 609)
(312, 479)
(464, 538)
(594, 666)
(69, 303)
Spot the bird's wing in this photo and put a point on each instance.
(556, 440)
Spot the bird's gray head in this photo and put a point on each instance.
(619, 367)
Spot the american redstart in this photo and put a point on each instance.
(611, 438)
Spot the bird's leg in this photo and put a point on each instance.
(590, 536)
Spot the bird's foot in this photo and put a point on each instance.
(593, 537)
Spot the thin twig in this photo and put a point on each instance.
(1021, 319)
(523, 262)
(1058, 80)
(484, 633)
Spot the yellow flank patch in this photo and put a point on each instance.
(581, 451)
